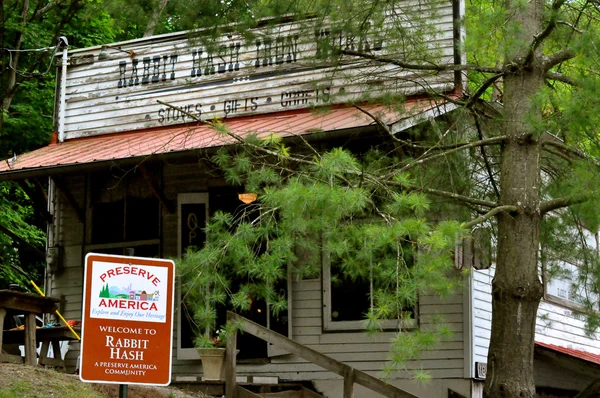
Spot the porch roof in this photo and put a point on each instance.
(72, 154)
(568, 352)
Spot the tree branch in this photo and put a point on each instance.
(445, 194)
(43, 10)
(387, 129)
(38, 253)
(490, 214)
(155, 17)
(484, 154)
(562, 78)
(486, 84)
(538, 39)
(554, 204)
(373, 178)
(558, 57)
(487, 141)
(572, 151)
(435, 68)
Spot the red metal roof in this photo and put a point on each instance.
(169, 139)
(586, 356)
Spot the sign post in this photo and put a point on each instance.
(127, 320)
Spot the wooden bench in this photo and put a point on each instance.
(30, 305)
(49, 337)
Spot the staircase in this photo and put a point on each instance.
(351, 376)
(284, 391)
(279, 390)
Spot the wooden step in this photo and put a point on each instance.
(300, 392)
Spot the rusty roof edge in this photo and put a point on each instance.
(48, 170)
(574, 354)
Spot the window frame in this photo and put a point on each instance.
(329, 325)
(561, 301)
(185, 353)
(557, 300)
(90, 246)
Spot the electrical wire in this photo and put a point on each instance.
(34, 74)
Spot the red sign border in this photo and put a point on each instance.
(85, 310)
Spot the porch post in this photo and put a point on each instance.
(349, 383)
(230, 361)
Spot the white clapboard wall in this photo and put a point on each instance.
(556, 324)
(118, 87)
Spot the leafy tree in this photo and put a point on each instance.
(28, 35)
(518, 155)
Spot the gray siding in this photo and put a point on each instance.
(67, 283)
(367, 353)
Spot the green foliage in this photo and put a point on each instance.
(322, 206)
(17, 264)
(26, 119)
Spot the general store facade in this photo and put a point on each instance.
(128, 171)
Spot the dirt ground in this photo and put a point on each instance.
(24, 381)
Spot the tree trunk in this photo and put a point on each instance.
(155, 17)
(516, 288)
(11, 84)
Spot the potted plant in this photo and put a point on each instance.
(235, 268)
(212, 354)
(203, 291)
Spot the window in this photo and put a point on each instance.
(347, 300)
(567, 274)
(567, 288)
(192, 213)
(124, 215)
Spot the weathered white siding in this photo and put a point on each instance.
(555, 324)
(117, 87)
(481, 294)
(364, 352)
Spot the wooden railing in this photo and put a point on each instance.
(351, 375)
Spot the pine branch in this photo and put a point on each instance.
(558, 203)
(571, 151)
(562, 78)
(543, 35)
(373, 178)
(431, 67)
(484, 154)
(487, 141)
(558, 57)
(490, 214)
(445, 194)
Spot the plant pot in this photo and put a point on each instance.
(213, 360)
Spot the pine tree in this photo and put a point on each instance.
(519, 154)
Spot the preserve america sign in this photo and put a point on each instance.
(136, 84)
(127, 320)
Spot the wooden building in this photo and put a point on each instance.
(126, 171)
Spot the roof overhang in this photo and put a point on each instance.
(89, 153)
(576, 360)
